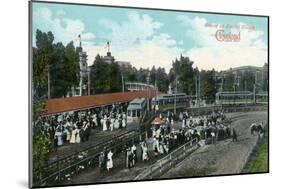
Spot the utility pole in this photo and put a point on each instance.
(49, 85)
(89, 81)
(80, 84)
(175, 102)
(147, 79)
(245, 89)
(254, 93)
(155, 88)
(122, 77)
(196, 90)
(254, 88)
(199, 89)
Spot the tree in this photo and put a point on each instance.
(114, 78)
(208, 86)
(162, 80)
(184, 71)
(99, 75)
(62, 64)
(40, 151)
(65, 72)
(42, 60)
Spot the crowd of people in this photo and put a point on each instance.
(211, 127)
(76, 127)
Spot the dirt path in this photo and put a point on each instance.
(225, 157)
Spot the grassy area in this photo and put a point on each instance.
(258, 161)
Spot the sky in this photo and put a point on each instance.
(155, 37)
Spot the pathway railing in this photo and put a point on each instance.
(169, 161)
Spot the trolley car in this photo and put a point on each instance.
(136, 110)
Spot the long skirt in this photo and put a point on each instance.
(104, 128)
(144, 156)
(78, 138)
(109, 164)
(60, 142)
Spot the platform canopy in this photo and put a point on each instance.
(55, 106)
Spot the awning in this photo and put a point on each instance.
(54, 106)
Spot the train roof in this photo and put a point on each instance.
(233, 93)
(163, 96)
(136, 103)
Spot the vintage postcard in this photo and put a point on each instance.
(121, 94)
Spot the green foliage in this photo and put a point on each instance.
(114, 83)
(40, 151)
(42, 60)
(258, 161)
(99, 75)
(65, 73)
(62, 63)
(184, 71)
(208, 86)
(38, 109)
(162, 80)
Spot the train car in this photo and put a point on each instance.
(234, 97)
(262, 98)
(170, 98)
(135, 111)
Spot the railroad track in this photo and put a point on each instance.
(78, 155)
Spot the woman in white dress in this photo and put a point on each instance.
(104, 126)
(109, 164)
(123, 123)
(73, 136)
(78, 138)
(59, 135)
(95, 120)
(111, 124)
(68, 134)
(144, 152)
(116, 124)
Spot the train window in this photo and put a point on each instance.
(133, 113)
(138, 113)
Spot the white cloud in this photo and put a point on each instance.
(211, 53)
(159, 51)
(60, 13)
(64, 29)
(131, 31)
(136, 40)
